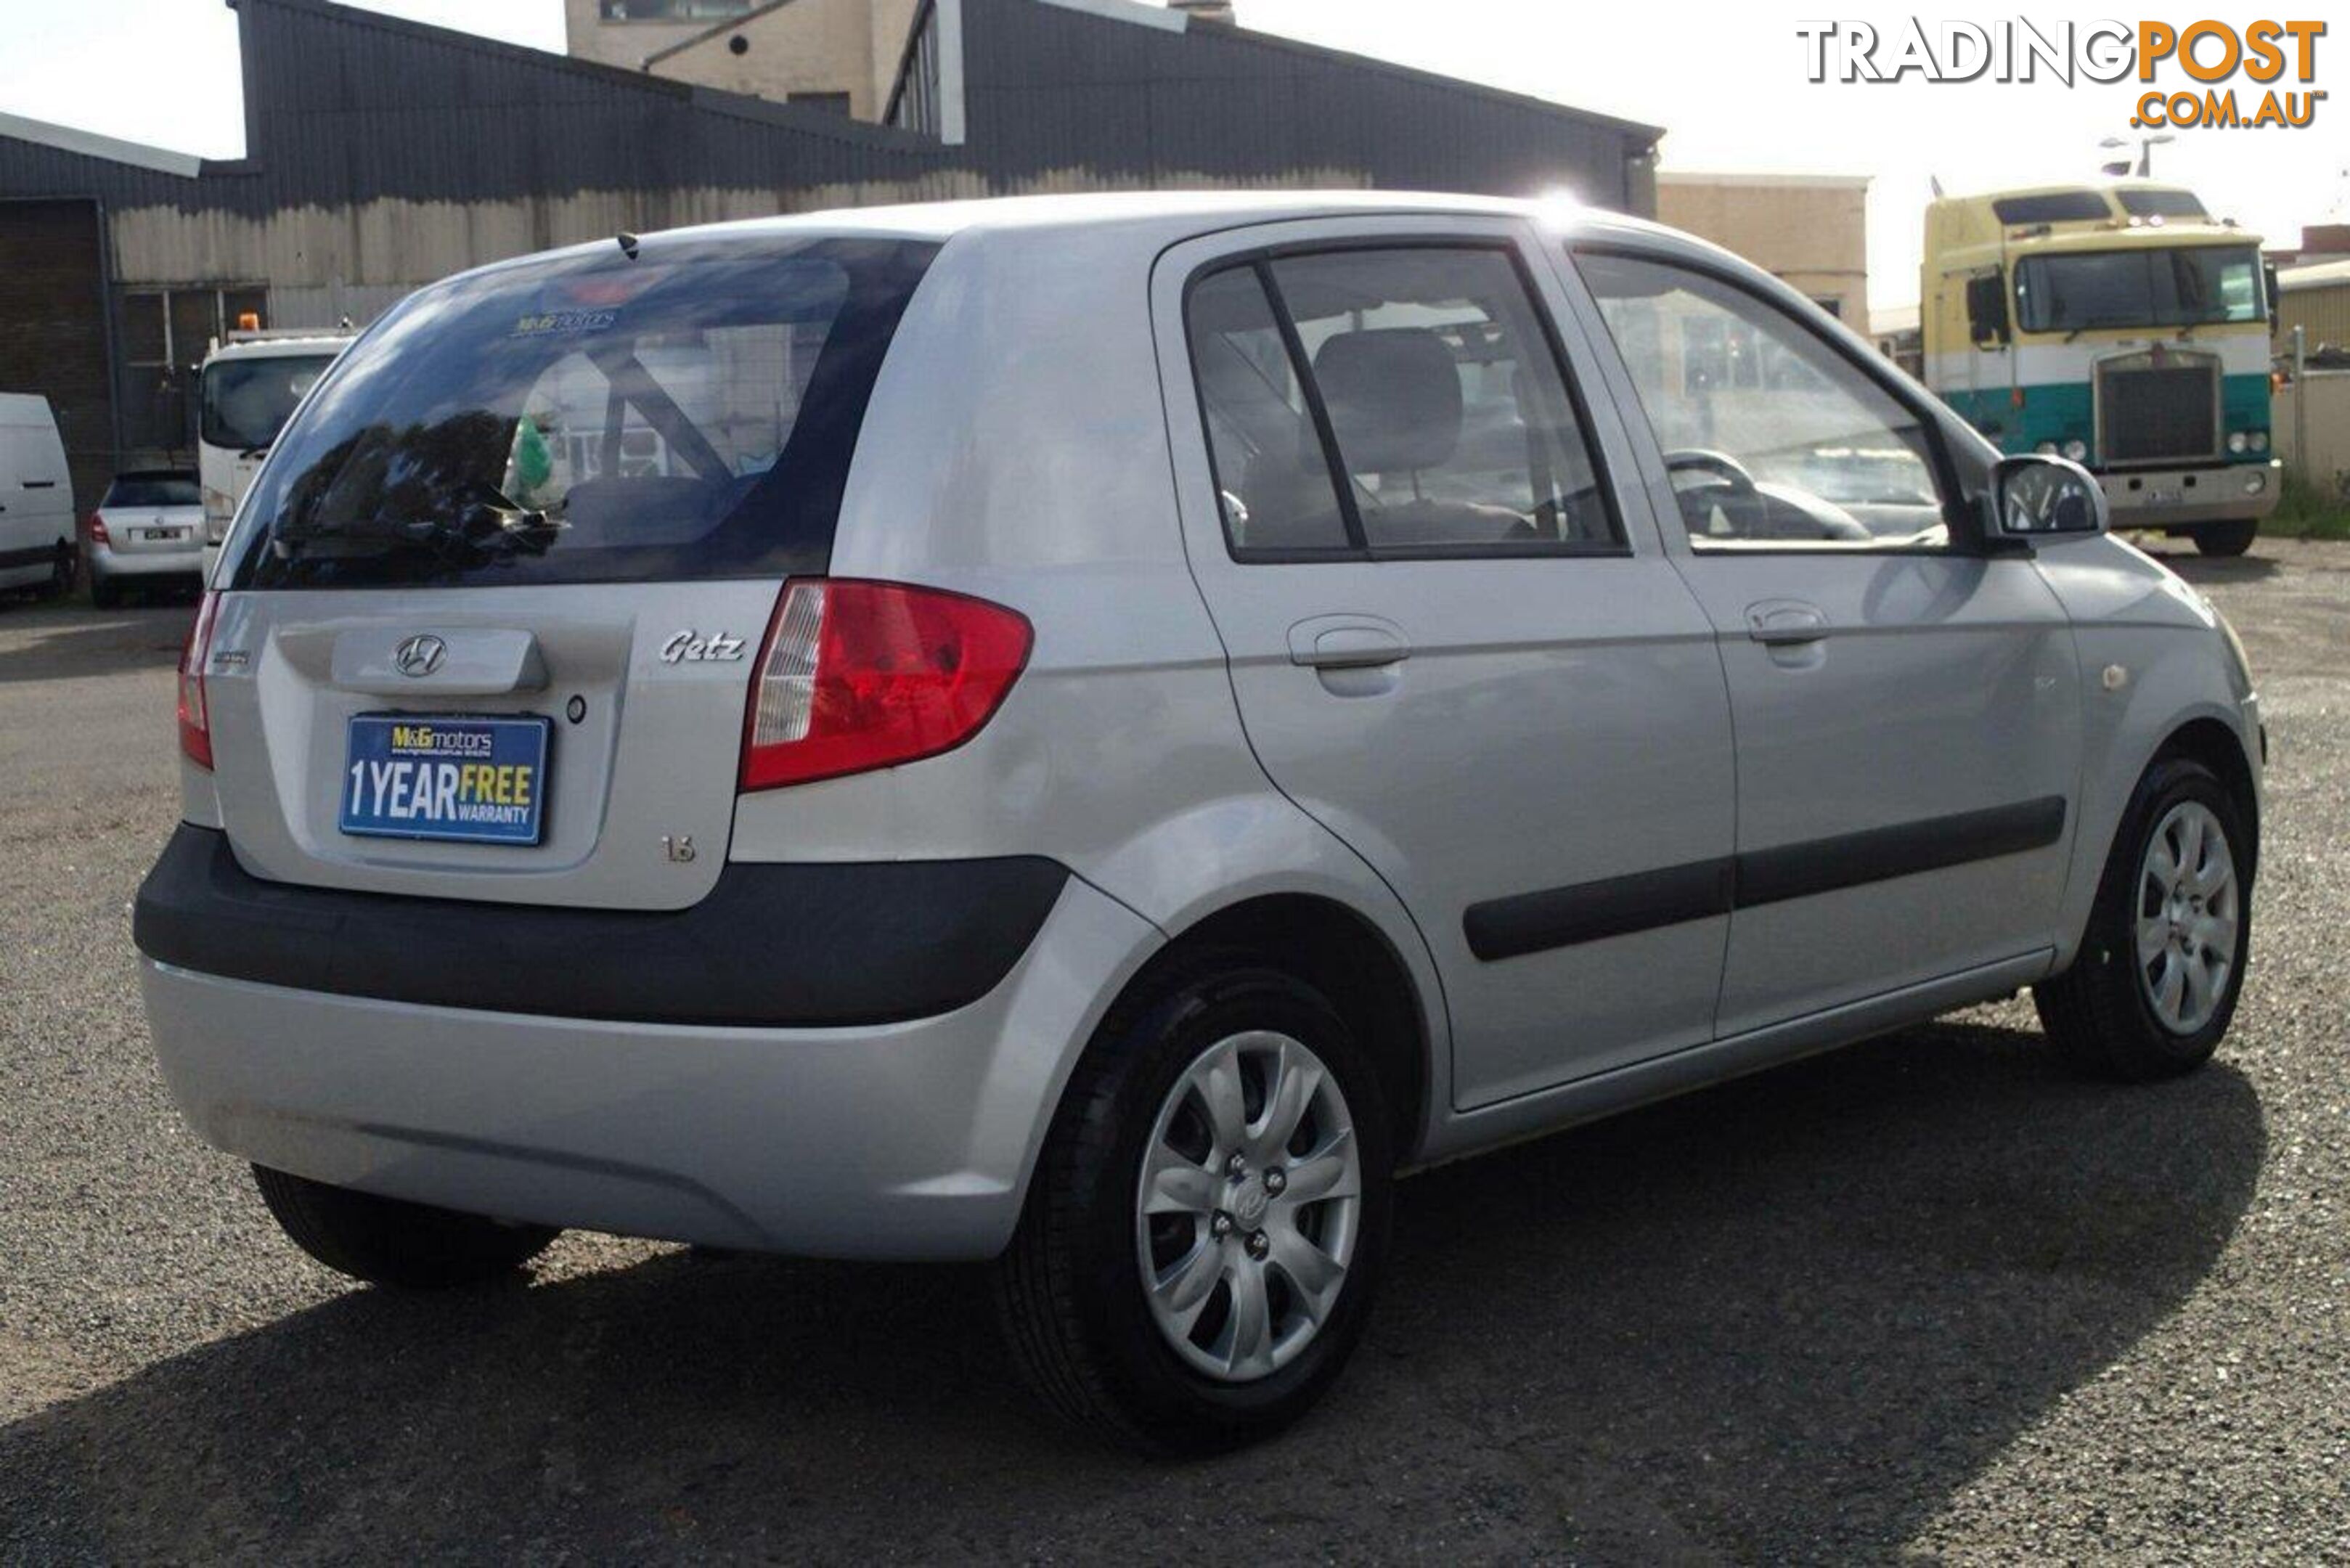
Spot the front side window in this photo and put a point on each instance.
(1451, 429)
(1772, 437)
(2183, 286)
(589, 418)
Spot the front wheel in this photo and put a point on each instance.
(1209, 1218)
(2156, 982)
(386, 1241)
(2227, 538)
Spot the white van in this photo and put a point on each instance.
(37, 526)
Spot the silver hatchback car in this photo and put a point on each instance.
(1092, 733)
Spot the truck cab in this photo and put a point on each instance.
(249, 386)
(2119, 326)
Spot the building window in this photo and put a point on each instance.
(166, 333)
(671, 10)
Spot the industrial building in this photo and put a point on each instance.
(382, 154)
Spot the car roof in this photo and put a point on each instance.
(1148, 216)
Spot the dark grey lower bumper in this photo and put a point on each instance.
(772, 945)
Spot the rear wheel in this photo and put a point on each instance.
(1209, 1216)
(61, 575)
(386, 1241)
(2227, 538)
(2155, 984)
(105, 592)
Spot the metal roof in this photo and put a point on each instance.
(345, 106)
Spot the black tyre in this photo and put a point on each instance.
(386, 1241)
(61, 575)
(2227, 538)
(105, 592)
(2155, 984)
(1264, 1250)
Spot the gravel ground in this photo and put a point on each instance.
(1922, 1298)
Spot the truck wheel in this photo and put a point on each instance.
(1209, 1217)
(2154, 983)
(386, 1241)
(2227, 538)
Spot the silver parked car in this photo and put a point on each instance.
(147, 533)
(1092, 733)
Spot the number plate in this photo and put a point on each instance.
(162, 536)
(2166, 497)
(428, 775)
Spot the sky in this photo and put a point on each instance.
(1726, 81)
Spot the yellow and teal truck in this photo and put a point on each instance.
(2121, 326)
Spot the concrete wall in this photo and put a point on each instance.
(803, 47)
(2328, 459)
(1810, 230)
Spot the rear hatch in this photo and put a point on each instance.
(490, 613)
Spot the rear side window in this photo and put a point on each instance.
(1406, 400)
(589, 418)
(153, 490)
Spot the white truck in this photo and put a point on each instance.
(250, 385)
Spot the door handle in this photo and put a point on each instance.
(1347, 642)
(1786, 623)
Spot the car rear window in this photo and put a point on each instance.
(153, 490)
(588, 417)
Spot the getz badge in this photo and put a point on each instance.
(693, 647)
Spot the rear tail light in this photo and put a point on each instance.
(195, 721)
(858, 675)
(97, 534)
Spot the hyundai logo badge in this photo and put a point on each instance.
(420, 656)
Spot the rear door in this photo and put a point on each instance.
(1908, 706)
(1453, 641)
(494, 604)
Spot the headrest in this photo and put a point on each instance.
(1394, 396)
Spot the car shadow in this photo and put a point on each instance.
(2184, 559)
(71, 641)
(1786, 1318)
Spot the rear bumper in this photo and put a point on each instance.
(797, 945)
(105, 561)
(905, 1139)
(2177, 497)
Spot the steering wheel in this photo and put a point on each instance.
(1771, 512)
(1705, 460)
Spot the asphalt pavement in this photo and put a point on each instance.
(1922, 1298)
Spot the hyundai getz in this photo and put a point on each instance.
(1092, 733)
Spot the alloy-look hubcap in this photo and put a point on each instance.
(1247, 1210)
(2187, 918)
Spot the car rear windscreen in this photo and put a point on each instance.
(588, 417)
(153, 490)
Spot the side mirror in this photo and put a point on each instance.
(1987, 308)
(2269, 282)
(2036, 497)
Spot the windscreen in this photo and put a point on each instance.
(590, 417)
(248, 402)
(2182, 287)
(153, 490)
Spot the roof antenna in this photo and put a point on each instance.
(628, 244)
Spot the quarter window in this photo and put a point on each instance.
(1772, 438)
(1451, 429)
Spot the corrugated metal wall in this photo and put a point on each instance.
(2323, 311)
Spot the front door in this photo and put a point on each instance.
(1453, 642)
(1908, 706)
